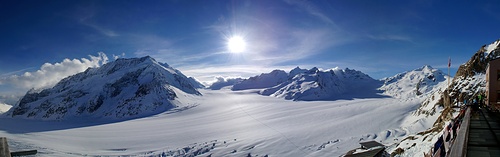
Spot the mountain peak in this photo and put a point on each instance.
(296, 70)
(146, 60)
(314, 70)
(123, 89)
(426, 68)
(264, 80)
(420, 81)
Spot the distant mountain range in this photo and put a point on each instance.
(138, 87)
(315, 84)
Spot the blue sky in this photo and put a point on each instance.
(380, 38)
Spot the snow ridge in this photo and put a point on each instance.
(123, 89)
(418, 82)
(337, 83)
(262, 81)
(313, 84)
(491, 48)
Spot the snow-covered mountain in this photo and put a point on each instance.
(263, 80)
(413, 83)
(313, 84)
(123, 89)
(332, 84)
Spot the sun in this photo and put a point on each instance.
(236, 44)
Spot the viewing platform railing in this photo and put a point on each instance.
(459, 146)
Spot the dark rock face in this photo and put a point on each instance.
(466, 73)
(469, 81)
(476, 64)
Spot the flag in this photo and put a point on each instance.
(449, 62)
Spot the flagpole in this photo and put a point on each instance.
(449, 76)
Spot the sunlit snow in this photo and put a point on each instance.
(227, 123)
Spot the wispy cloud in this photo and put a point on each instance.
(17, 72)
(298, 44)
(102, 30)
(86, 17)
(312, 9)
(10, 98)
(49, 74)
(391, 37)
(167, 50)
(155, 46)
(272, 43)
(306, 43)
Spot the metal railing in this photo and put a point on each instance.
(459, 146)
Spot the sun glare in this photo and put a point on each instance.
(236, 44)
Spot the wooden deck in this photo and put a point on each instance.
(4, 147)
(4, 150)
(484, 132)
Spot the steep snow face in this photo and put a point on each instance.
(262, 81)
(491, 47)
(418, 82)
(123, 89)
(195, 83)
(333, 84)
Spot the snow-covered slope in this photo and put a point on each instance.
(423, 85)
(194, 82)
(123, 89)
(491, 51)
(413, 83)
(223, 123)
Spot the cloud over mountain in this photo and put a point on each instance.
(49, 74)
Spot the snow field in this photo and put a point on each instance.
(225, 123)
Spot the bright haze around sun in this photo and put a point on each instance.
(236, 44)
